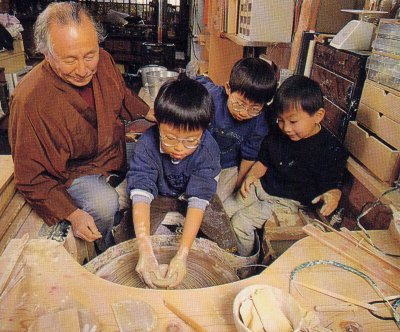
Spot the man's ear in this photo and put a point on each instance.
(227, 88)
(319, 115)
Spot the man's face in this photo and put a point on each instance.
(75, 52)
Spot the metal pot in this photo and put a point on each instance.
(156, 79)
(147, 69)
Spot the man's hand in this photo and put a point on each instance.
(247, 182)
(331, 200)
(83, 226)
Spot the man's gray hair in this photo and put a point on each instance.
(62, 13)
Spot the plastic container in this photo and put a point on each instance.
(143, 71)
(384, 70)
(155, 79)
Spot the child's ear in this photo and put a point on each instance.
(319, 115)
(227, 88)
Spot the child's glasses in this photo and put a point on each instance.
(170, 141)
(251, 110)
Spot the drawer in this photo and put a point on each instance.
(382, 100)
(379, 158)
(385, 128)
(336, 88)
(344, 63)
(335, 119)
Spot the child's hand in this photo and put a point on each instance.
(148, 265)
(331, 200)
(176, 272)
(247, 182)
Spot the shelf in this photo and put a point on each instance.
(243, 42)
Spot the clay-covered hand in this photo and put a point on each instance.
(147, 266)
(83, 226)
(245, 188)
(176, 271)
(331, 200)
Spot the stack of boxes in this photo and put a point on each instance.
(374, 138)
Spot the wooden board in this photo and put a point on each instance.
(60, 283)
(6, 171)
(307, 21)
(380, 267)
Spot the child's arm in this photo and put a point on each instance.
(147, 263)
(177, 266)
(331, 200)
(244, 168)
(256, 172)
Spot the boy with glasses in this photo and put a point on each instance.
(239, 123)
(174, 168)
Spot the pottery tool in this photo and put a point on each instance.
(189, 321)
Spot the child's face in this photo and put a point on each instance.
(179, 143)
(242, 108)
(298, 124)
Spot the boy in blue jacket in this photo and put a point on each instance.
(239, 123)
(174, 168)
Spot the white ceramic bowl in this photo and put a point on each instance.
(288, 305)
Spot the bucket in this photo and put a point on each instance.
(157, 78)
(147, 69)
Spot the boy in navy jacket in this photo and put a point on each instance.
(239, 122)
(174, 167)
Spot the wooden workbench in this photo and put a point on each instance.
(54, 281)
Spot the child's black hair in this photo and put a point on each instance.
(297, 91)
(184, 103)
(253, 78)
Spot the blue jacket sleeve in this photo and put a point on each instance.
(143, 168)
(251, 146)
(202, 183)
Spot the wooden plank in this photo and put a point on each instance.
(12, 256)
(10, 213)
(377, 267)
(307, 21)
(6, 171)
(6, 195)
(14, 227)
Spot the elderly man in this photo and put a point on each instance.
(66, 129)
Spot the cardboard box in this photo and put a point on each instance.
(382, 99)
(382, 160)
(385, 128)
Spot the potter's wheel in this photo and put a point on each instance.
(207, 266)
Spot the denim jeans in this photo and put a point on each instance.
(94, 195)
